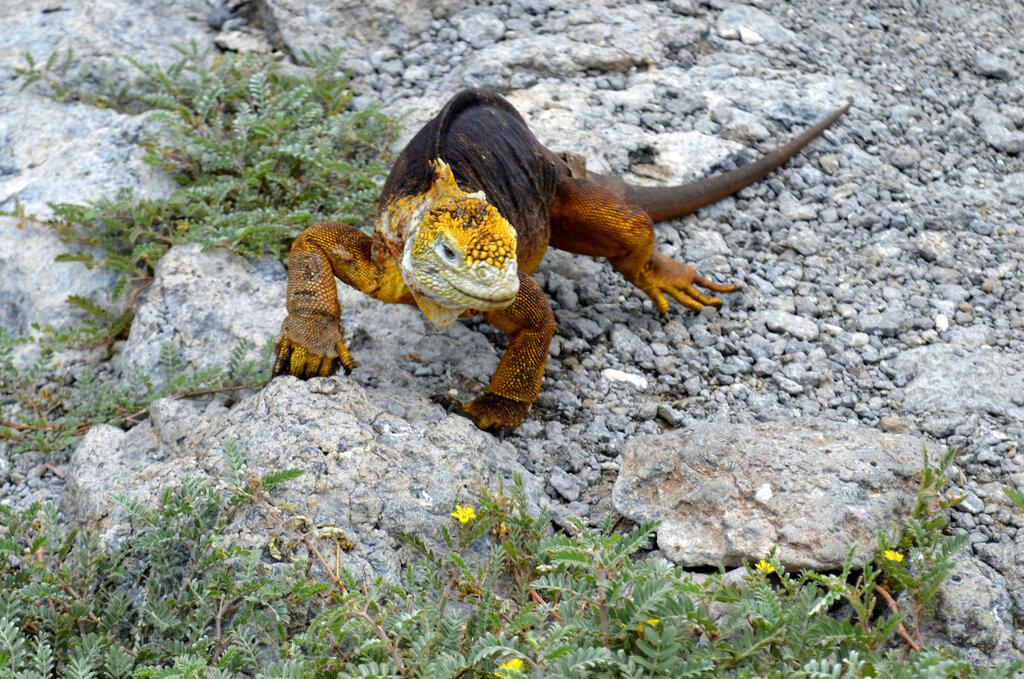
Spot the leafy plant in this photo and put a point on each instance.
(498, 595)
(259, 153)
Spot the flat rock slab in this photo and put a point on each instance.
(954, 380)
(374, 465)
(727, 493)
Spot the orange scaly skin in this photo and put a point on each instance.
(467, 213)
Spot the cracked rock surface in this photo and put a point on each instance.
(810, 488)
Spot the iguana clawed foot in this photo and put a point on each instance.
(491, 411)
(665, 275)
(311, 348)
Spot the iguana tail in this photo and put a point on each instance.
(667, 202)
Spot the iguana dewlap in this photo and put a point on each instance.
(466, 214)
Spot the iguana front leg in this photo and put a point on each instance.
(530, 325)
(312, 341)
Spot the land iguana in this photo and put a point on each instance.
(466, 214)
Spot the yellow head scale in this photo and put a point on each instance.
(461, 253)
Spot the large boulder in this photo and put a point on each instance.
(375, 465)
(100, 34)
(205, 303)
(725, 493)
(33, 287)
(71, 153)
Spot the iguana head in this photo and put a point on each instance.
(459, 252)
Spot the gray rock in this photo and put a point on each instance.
(998, 128)
(944, 379)
(33, 287)
(243, 42)
(479, 27)
(905, 157)
(100, 34)
(630, 346)
(886, 323)
(933, 246)
(991, 66)
(791, 324)
(296, 26)
(829, 163)
(795, 211)
(70, 153)
(727, 492)
(973, 610)
(567, 485)
(805, 241)
(374, 465)
(752, 26)
(205, 303)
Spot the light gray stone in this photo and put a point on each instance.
(350, 25)
(949, 380)
(33, 287)
(933, 246)
(100, 34)
(374, 465)
(991, 66)
(791, 324)
(243, 42)
(997, 128)
(479, 27)
(70, 153)
(973, 611)
(830, 487)
(752, 26)
(205, 303)
(567, 485)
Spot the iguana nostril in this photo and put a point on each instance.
(486, 274)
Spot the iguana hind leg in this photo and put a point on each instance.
(591, 219)
(530, 325)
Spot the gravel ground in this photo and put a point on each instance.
(899, 231)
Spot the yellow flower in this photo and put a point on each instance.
(513, 665)
(653, 622)
(464, 514)
(764, 567)
(892, 555)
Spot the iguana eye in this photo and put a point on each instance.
(447, 253)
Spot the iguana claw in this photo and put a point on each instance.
(680, 281)
(491, 411)
(293, 358)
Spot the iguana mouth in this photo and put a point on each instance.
(498, 299)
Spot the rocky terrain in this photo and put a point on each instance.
(882, 308)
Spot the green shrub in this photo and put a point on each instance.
(176, 598)
(259, 153)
